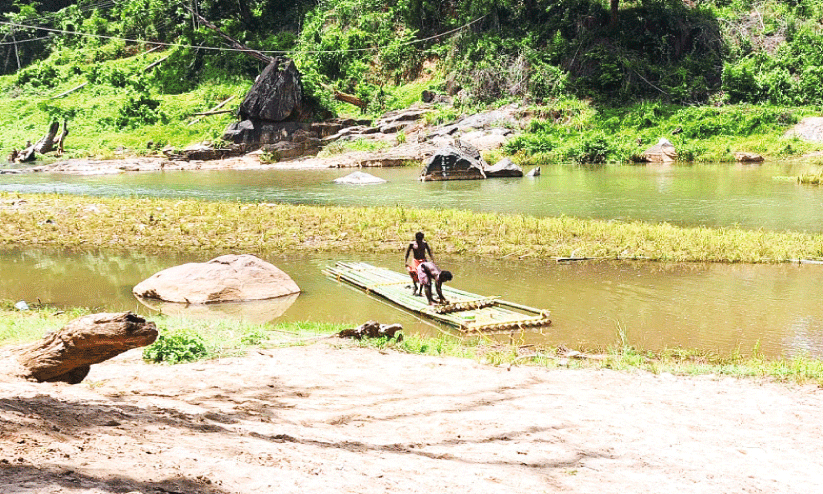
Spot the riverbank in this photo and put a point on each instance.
(333, 417)
(192, 339)
(157, 225)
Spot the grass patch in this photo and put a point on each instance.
(573, 131)
(157, 225)
(185, 340)
(340, 147)
(120, 108)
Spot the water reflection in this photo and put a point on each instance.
(255, 311)
(713, 307)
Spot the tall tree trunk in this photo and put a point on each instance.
(245, 13)
(614, 5)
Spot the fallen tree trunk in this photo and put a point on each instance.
(348, 98)
(62, 139)
(46, 144)
(345, 98)
(67, 355)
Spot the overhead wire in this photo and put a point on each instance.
(20, 42)
(222, 48)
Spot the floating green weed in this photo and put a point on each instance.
(156, 225)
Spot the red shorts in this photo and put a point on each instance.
(412, 268)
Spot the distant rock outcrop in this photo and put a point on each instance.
(359, 178)
(808, 129)
(229, 278)
(276, 113)
(742, 157)
(277, 95)
(662, 152)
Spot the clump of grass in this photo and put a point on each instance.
(811, 179)
(18, 326)
(175, 347)
(339, 147)
(157, 225)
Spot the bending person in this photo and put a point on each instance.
(428, 272)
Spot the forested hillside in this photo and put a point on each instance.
(607, 54)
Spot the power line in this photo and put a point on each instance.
(215, 48)
(7, 43)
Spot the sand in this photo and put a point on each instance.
(333, 417)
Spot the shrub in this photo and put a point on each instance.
(176, 347)
(139, 109)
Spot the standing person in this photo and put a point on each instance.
(426, 273)
(419, 248)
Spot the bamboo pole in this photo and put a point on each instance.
(221, 105)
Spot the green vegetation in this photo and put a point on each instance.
(602, 78)
(18, 327)
(183, 345)
(156, 225)
(577, 132)
(185, 340)
(119, 108)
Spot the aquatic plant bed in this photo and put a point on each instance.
(468, 312)
(159, 225)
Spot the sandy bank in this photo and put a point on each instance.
(334, 418)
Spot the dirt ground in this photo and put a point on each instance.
(331, 417)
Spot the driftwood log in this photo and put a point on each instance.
(373, 329)
(67, 355)
(46, 144)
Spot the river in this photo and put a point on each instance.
(751, 196)
(713, 307)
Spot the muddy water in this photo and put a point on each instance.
(707, 306)
(752, 196)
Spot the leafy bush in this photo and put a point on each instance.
(39, 75)
(138, 110)
(173, 348)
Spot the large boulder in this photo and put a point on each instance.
(458, 161)
(277, 95)
(662, 152)
(503, 168)
(229, 278)
(450, 164)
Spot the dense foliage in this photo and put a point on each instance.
(609, 53)
(675, 51)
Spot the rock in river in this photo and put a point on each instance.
(503, 168)
(359, 178)
(229, 278)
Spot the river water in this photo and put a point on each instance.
(713, 307)
(751, 196)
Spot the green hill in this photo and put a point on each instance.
(618, 77)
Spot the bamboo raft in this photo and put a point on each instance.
(468, 312)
